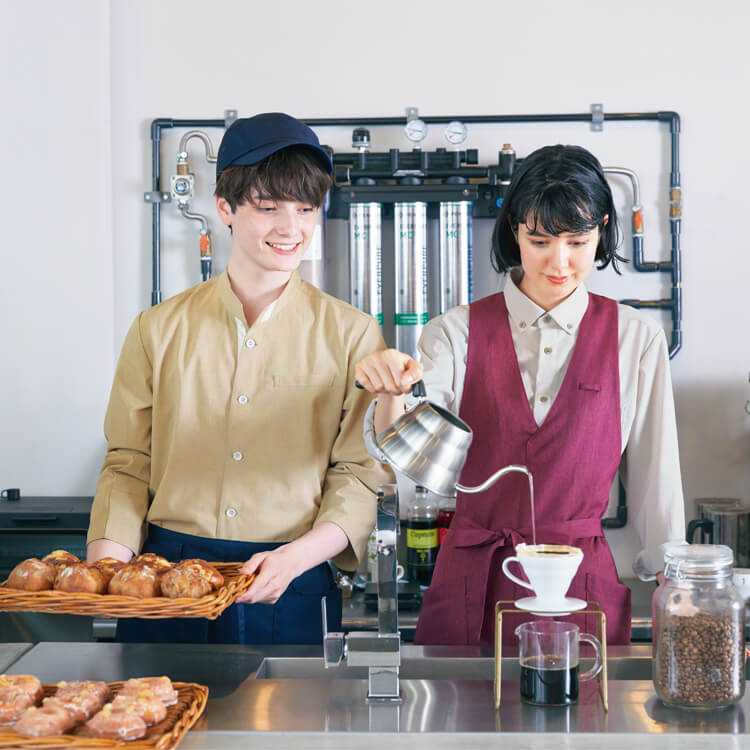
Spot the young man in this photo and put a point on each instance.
(234, 427)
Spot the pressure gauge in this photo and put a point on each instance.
(415, 130)
(455, 132)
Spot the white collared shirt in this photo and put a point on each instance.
(544, 342)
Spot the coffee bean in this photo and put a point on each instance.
(699, 659)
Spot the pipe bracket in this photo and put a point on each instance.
(156, 196)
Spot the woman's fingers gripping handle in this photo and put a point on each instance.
(388, 372)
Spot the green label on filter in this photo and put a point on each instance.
(379, 318)
(410, 319)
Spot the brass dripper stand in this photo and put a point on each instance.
(508, 606)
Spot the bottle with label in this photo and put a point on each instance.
(446, 511)
(421, 537)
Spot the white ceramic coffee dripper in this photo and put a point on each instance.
(550, 569)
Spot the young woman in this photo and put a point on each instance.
(570, 384)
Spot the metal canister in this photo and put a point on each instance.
(728, 526)
(455, 254)
(366, 258)
(410, 251)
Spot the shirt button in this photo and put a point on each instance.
(237, 456)
(231, 512)
(250, 343)
(242, 398)
(522, 324)
(543, 399)
(547, 318)
(548, 350)
(569, 326)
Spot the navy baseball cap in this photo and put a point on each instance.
(251, 139)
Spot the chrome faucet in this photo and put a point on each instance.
(381, 651)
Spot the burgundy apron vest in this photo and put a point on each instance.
(573, 456)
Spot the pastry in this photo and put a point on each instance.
(210, 573)
(140, 581)
(60, 557)
(80, 577)
(161, 686)
(78, 687)
(148, 706)
(12, 707)
(160, 564)
(117, 724)
(32, 575)
(49, 719)
(184, 582)
(14, 684)
(108, 566)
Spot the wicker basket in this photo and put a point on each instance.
(165, 735)
(110, 605)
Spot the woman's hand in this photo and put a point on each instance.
(389, 372)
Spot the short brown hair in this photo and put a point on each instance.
(291, 174)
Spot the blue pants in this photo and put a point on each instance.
(295, 618)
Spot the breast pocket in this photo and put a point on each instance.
(590, 388)
(303, 381)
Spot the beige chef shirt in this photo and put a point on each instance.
(251, 434)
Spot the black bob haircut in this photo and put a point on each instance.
(557, 189)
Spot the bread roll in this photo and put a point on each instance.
(81, 578)
(160, 564)
(210, 573)
(184, 582)
(139, 581)
(108, 566)
(32, 575)
(60, 557)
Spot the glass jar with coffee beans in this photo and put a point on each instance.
(698, 629)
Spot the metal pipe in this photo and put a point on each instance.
(210, 156)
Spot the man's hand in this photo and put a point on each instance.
(276, 569)
(107, 548)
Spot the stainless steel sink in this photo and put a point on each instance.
(427, 667)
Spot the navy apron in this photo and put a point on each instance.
(295, 618)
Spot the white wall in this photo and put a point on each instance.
(88, 76)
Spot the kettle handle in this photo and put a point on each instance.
(417, 390)
(702, 524)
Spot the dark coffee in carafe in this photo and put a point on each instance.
(548, 681)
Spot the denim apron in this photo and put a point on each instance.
(295, 618)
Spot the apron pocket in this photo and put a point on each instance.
(296, 615)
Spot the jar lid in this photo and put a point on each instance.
(696, 558)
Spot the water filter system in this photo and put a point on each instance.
(405, 192)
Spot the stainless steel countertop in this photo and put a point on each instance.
(313, 713)
(11, 652)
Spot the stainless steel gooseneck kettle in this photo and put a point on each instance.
(429, 444)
